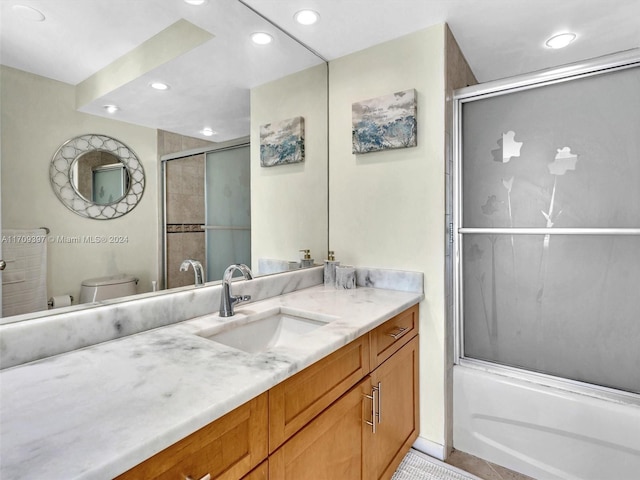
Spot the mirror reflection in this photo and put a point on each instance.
(208, 106)
(100, 177)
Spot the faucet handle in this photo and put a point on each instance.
(237, 299)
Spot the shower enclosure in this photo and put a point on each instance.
(546, 233)
(207, 211)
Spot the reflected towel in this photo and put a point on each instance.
(24, 280)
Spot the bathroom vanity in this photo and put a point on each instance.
(173, 401)
(327, 418)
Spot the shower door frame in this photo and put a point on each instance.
(228, 145)
(597, 66)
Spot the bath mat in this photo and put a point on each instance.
(418, 466)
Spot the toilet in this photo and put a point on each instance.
(103, 288)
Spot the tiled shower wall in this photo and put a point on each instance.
(185, 214)
(184, 206)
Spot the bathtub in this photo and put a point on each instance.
(545, 431)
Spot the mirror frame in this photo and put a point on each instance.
(61, 177)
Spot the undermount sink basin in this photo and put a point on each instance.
(264, 333)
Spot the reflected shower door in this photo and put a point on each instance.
(549, 237)
(228, 210)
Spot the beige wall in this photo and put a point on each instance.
(289, 202)
(387, 208)
(38, 115)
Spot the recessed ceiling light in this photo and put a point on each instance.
(306, 17)
(261, 38)
(561, 40)
(196, 2)
(111, 108)
(29, 13)
(207, 132)
(159, 86)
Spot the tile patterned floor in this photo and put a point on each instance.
(419, 466)
(482, 468)
(459, 466)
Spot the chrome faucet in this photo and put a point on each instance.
(227, 301)
(197, 270)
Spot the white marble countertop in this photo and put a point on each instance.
(94, 413)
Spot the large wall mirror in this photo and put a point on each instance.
(59, 75)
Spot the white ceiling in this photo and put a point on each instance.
(499, 38)
(210, 84)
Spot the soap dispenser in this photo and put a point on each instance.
(306, 261)
(330, 265)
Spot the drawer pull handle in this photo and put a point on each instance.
(379, 389)
(206, 477)
(372, 397)
(398, 332)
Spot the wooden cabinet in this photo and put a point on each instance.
(226, 449)
(364, 434)
(261, 472)
(392, 335)
(299, 399)
(329, 448)
(394, 409)
(350, 416)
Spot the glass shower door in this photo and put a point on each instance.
(228, 210)
(549, 237)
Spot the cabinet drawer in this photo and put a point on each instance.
(389, 337)
(296, 401)
(227, 448)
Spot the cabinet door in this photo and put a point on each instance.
(296, 401)
(394, 386)
(226, 449)
(261, 472)
(330, 447)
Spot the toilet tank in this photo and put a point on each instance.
(104, 288)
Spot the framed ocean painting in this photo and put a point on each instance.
(384, 123)
(282, 142)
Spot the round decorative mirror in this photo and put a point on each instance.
(97, 177)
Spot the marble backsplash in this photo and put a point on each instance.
(390, 279)
(26, 341)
